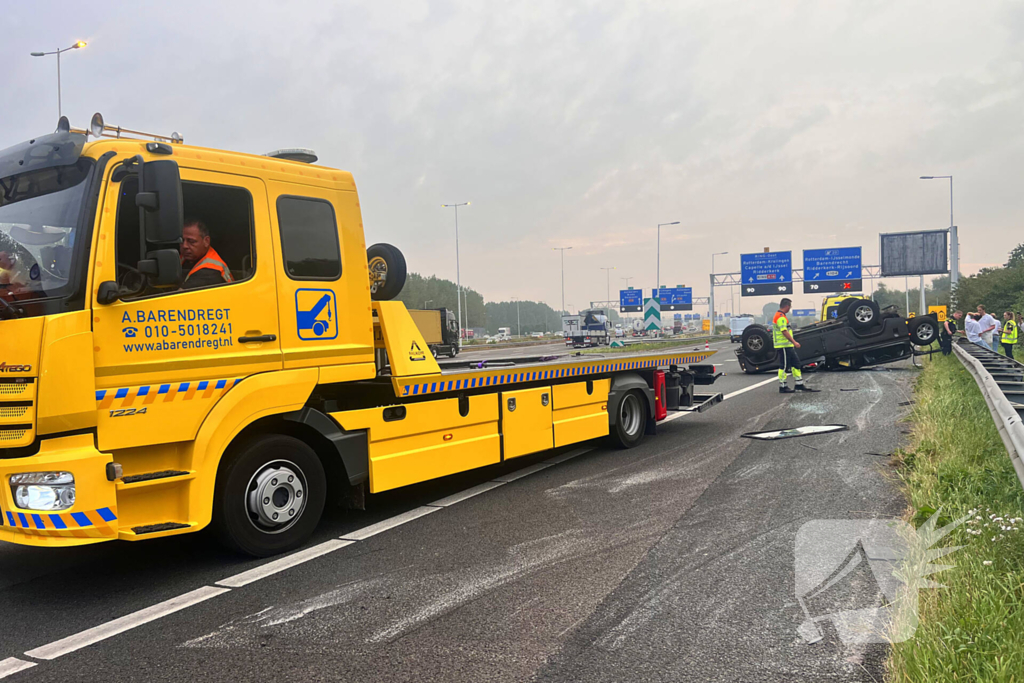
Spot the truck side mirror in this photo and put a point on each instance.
(161, 267)
(160, 205)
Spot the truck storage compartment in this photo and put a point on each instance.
(580, 411)
(526, 421)
(420, 441)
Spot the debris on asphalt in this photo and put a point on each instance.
(849, 390)
(809, 430)
(905, 403)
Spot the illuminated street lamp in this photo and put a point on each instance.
(78, 44)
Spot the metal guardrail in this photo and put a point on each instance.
(1001, 381)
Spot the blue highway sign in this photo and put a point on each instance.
(803, 313)
(832, 270)
(631, 300)
(766, 273)
(674, 298)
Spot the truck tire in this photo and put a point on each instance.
(923, 331)
(629, 428)
(756, 341)
(269, 495)
(387, 271)
(863, 314)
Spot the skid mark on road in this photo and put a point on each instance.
(238, 632)
(523, 559)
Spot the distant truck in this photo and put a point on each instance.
(589, 328)
(858, 336)
(440, 330)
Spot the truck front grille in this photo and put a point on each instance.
(13, 411)
(13, 434)
(13, 389)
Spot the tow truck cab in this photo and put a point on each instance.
(134, 407)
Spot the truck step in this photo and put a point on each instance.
(702, 402)
(154, 528)
(150, 476)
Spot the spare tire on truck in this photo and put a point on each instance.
(387, 271)
(756, 342)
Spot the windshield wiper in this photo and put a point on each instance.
(14, 311)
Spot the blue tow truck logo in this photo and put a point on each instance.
(316, 314)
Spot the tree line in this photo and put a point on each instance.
(435, 292)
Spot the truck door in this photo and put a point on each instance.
(164, 357)
(323, 285)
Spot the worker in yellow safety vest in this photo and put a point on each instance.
(1009, 337)
(786, 346)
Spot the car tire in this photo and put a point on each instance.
(756, 341)
(266, 476)
(923, 331)
(863, 314)
(387, 271)
(843, 306)
(631, 420)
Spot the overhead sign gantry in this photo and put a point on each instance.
(832, 270)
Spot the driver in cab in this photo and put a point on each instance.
(200, 262)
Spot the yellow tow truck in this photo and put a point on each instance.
(133, 407)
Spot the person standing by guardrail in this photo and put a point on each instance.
(947, 333)
(988, 326)
(973, 328)
(1009, 336)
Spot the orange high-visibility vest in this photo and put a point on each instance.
(213, 261)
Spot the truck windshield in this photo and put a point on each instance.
(39, 213)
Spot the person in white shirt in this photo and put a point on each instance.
(988, 327)
(973, 328)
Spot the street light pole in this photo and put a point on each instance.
(78, 44)
(711, 298)
(608, 282)
(657, 285)
(954, 237)
(519, 325)
(562, 250)
(458, 280)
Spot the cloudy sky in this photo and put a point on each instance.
(787, 125)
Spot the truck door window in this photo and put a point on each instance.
(309, 238)
(226, 213)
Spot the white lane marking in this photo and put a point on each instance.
(467, 494)
(390, 523)
(676, 416)
(750, 388)
(568, 455)
(270, 568)
(13, 665)
(125, 623)
(525, 472)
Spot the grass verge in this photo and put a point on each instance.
(973, 628)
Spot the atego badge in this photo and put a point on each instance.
(4, 367)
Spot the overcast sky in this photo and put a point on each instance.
(787, 125)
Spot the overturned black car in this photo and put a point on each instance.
(860, 335)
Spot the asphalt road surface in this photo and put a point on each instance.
(673, 561)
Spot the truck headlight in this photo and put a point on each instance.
(43, 490)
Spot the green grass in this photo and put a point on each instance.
(973, 628)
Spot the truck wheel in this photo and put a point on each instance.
(862, 314)
(387, 271)
(755, 341)
(269, 496)
(630, 422)
(923, 331)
